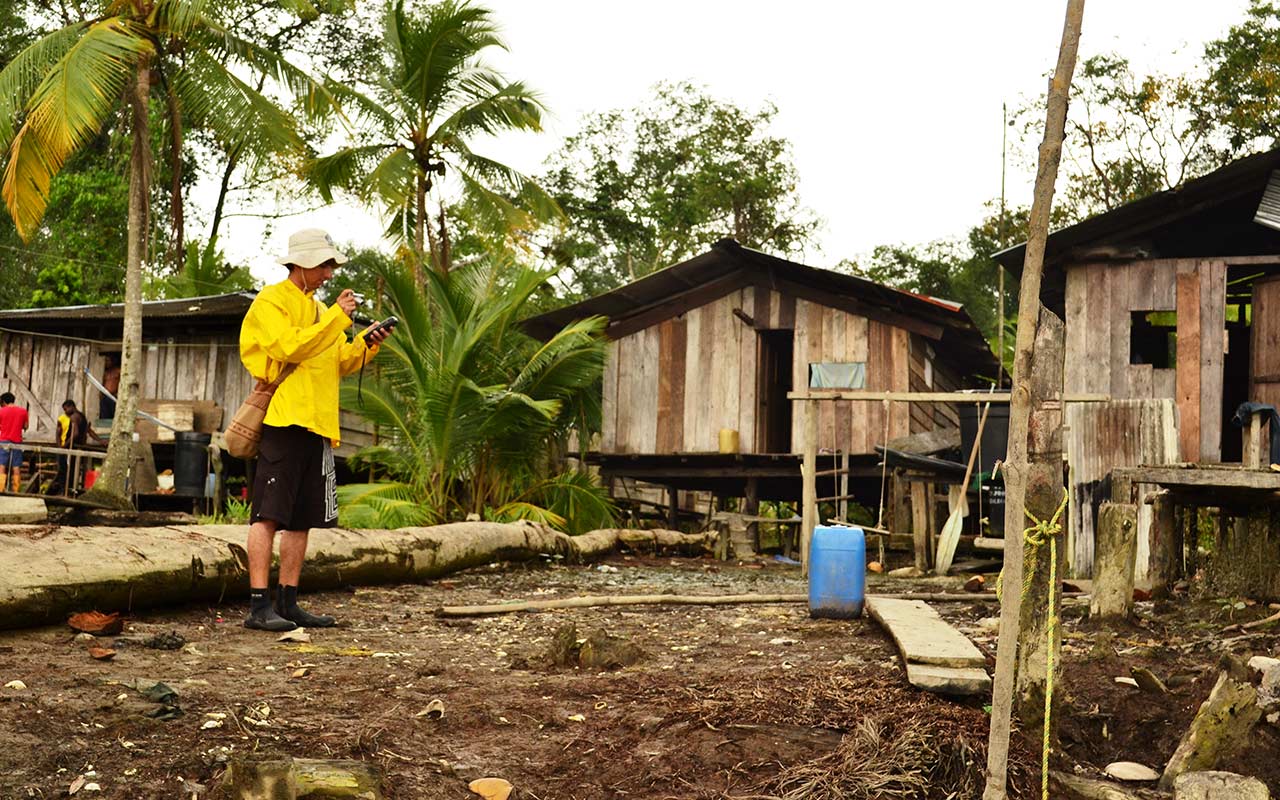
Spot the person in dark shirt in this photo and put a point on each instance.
(76, 432)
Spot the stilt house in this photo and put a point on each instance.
(714, 345)
(1172, 308)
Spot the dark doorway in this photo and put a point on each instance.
(1235, 376)
(773, 417)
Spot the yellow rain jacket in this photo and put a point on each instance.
(284, 325)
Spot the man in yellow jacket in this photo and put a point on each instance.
(294, 488)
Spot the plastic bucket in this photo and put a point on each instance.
(90, 478)
(190, 462)
(837, 572)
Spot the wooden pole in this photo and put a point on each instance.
(809, 493)
(1015, 468)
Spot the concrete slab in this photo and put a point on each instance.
(949, 680)
(922, 636)
(21, 510)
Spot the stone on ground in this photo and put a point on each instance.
(1219, 786)
(602, 651)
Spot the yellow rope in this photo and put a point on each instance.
(1042, 531)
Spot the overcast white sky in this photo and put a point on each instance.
(893, 110)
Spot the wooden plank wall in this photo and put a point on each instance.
(43, 371)
(673, 386)
(1098, 438)
(928, 375)
(1100, 299)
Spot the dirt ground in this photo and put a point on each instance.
(726, 702)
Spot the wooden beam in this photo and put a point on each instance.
(932, 397)
(1205, 477)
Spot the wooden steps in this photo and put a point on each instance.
(938, 657)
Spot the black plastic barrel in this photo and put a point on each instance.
(190, 462)
(995, 434)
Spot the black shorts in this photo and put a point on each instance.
(295, 484)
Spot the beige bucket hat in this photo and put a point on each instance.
(311, 247)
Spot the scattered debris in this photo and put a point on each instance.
(295, 635)
(102, 653)
(1127, 682)
(875, 567)
(434, 710)
(491, 788)
(1130, 771)
(17, 686)
(603, 651)
(165, 641)
(302, 778)
(976, 584)
(906, 572)
(1147, 680)
(97, 623)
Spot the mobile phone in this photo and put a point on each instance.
(387, 324)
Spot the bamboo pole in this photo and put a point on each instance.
(592, 601)
(1020, 404)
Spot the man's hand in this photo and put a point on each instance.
(376, 337)
(347, 302)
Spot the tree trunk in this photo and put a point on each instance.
(175, 185)
(419, 227)
(1020, 404)
(111, 487)
(445, 258)
(120, 569)
(1043, 497)
(223, 187)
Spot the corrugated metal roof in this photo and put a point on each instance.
(956, 332)
(1269, 209)
(234, 304)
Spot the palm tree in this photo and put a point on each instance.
(428, 98)
(59, 92)
(471, 407)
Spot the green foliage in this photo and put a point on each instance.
(418, 107)
(236, 512)
(205, 271)
(1244, 81)
(58, 285)
(648, 187)
(468, 408)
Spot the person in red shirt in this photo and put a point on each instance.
(13, 421)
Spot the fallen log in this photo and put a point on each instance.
(50, 572)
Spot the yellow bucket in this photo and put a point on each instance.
(728, 440)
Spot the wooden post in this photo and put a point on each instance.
(1166, 546)
(842, 505)
(1113, 561)
(1252, 435)
(920, 523)
(751, 507)
(809, 494)
(673, 508)
(1020, 403)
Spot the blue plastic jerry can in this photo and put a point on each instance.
(837, 572)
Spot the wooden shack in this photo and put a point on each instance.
(715, 344)
(1172, 307)
(190, 357)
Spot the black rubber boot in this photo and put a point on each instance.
(262, 617)
(287, 607)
